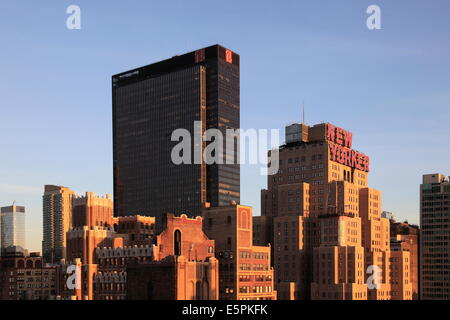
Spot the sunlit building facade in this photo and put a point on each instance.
(57, 220)
(329, 237)
(245, 271)
(12, 226)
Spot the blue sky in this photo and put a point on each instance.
(390, 87)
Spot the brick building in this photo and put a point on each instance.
(328, 235)
(139, 229)
(262, 230)
(92, 211)
(23, 276)
(177, 264)
(81, 245)
(245, 272)
(103, 254)
(182, 266)
(400, 274)
(110, 279)
(93, 226)
(405, 238)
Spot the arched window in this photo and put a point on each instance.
(38, 264)
(21, 264)
(177, 243)
(244, 219)
(198, 290)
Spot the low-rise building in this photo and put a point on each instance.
(245, 271)
(23, 276)
(405, 238)
(182, 266)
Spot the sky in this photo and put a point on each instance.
(390, 87)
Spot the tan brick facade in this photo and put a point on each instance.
(245, 269)
(328, 234)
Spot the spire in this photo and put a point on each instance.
(303, 112)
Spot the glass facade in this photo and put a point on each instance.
(223, 113)
(149, 103)
(12, 221)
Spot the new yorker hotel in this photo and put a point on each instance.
(149, 103)
(318, 205)
(305, 159)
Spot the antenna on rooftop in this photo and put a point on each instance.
(303, 112)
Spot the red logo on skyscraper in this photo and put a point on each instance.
(229, 56)
(199, 55)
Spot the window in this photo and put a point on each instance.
(177, 243)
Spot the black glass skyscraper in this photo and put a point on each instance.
(149, 103)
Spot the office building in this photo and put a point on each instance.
(149, 104)
(12, 226)
(435, 237)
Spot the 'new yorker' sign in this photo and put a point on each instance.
(341, 149)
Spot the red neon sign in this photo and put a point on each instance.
(229, 56)
(339, 136)
(340, 149)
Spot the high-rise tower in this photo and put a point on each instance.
(434, 239)
(149, 103)
(57, 220)
(323, 221)
(12, 222)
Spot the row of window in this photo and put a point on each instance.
(302, 159)
(256, 267)
(256, 255)
(255, 289)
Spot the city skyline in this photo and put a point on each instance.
(67, 134)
